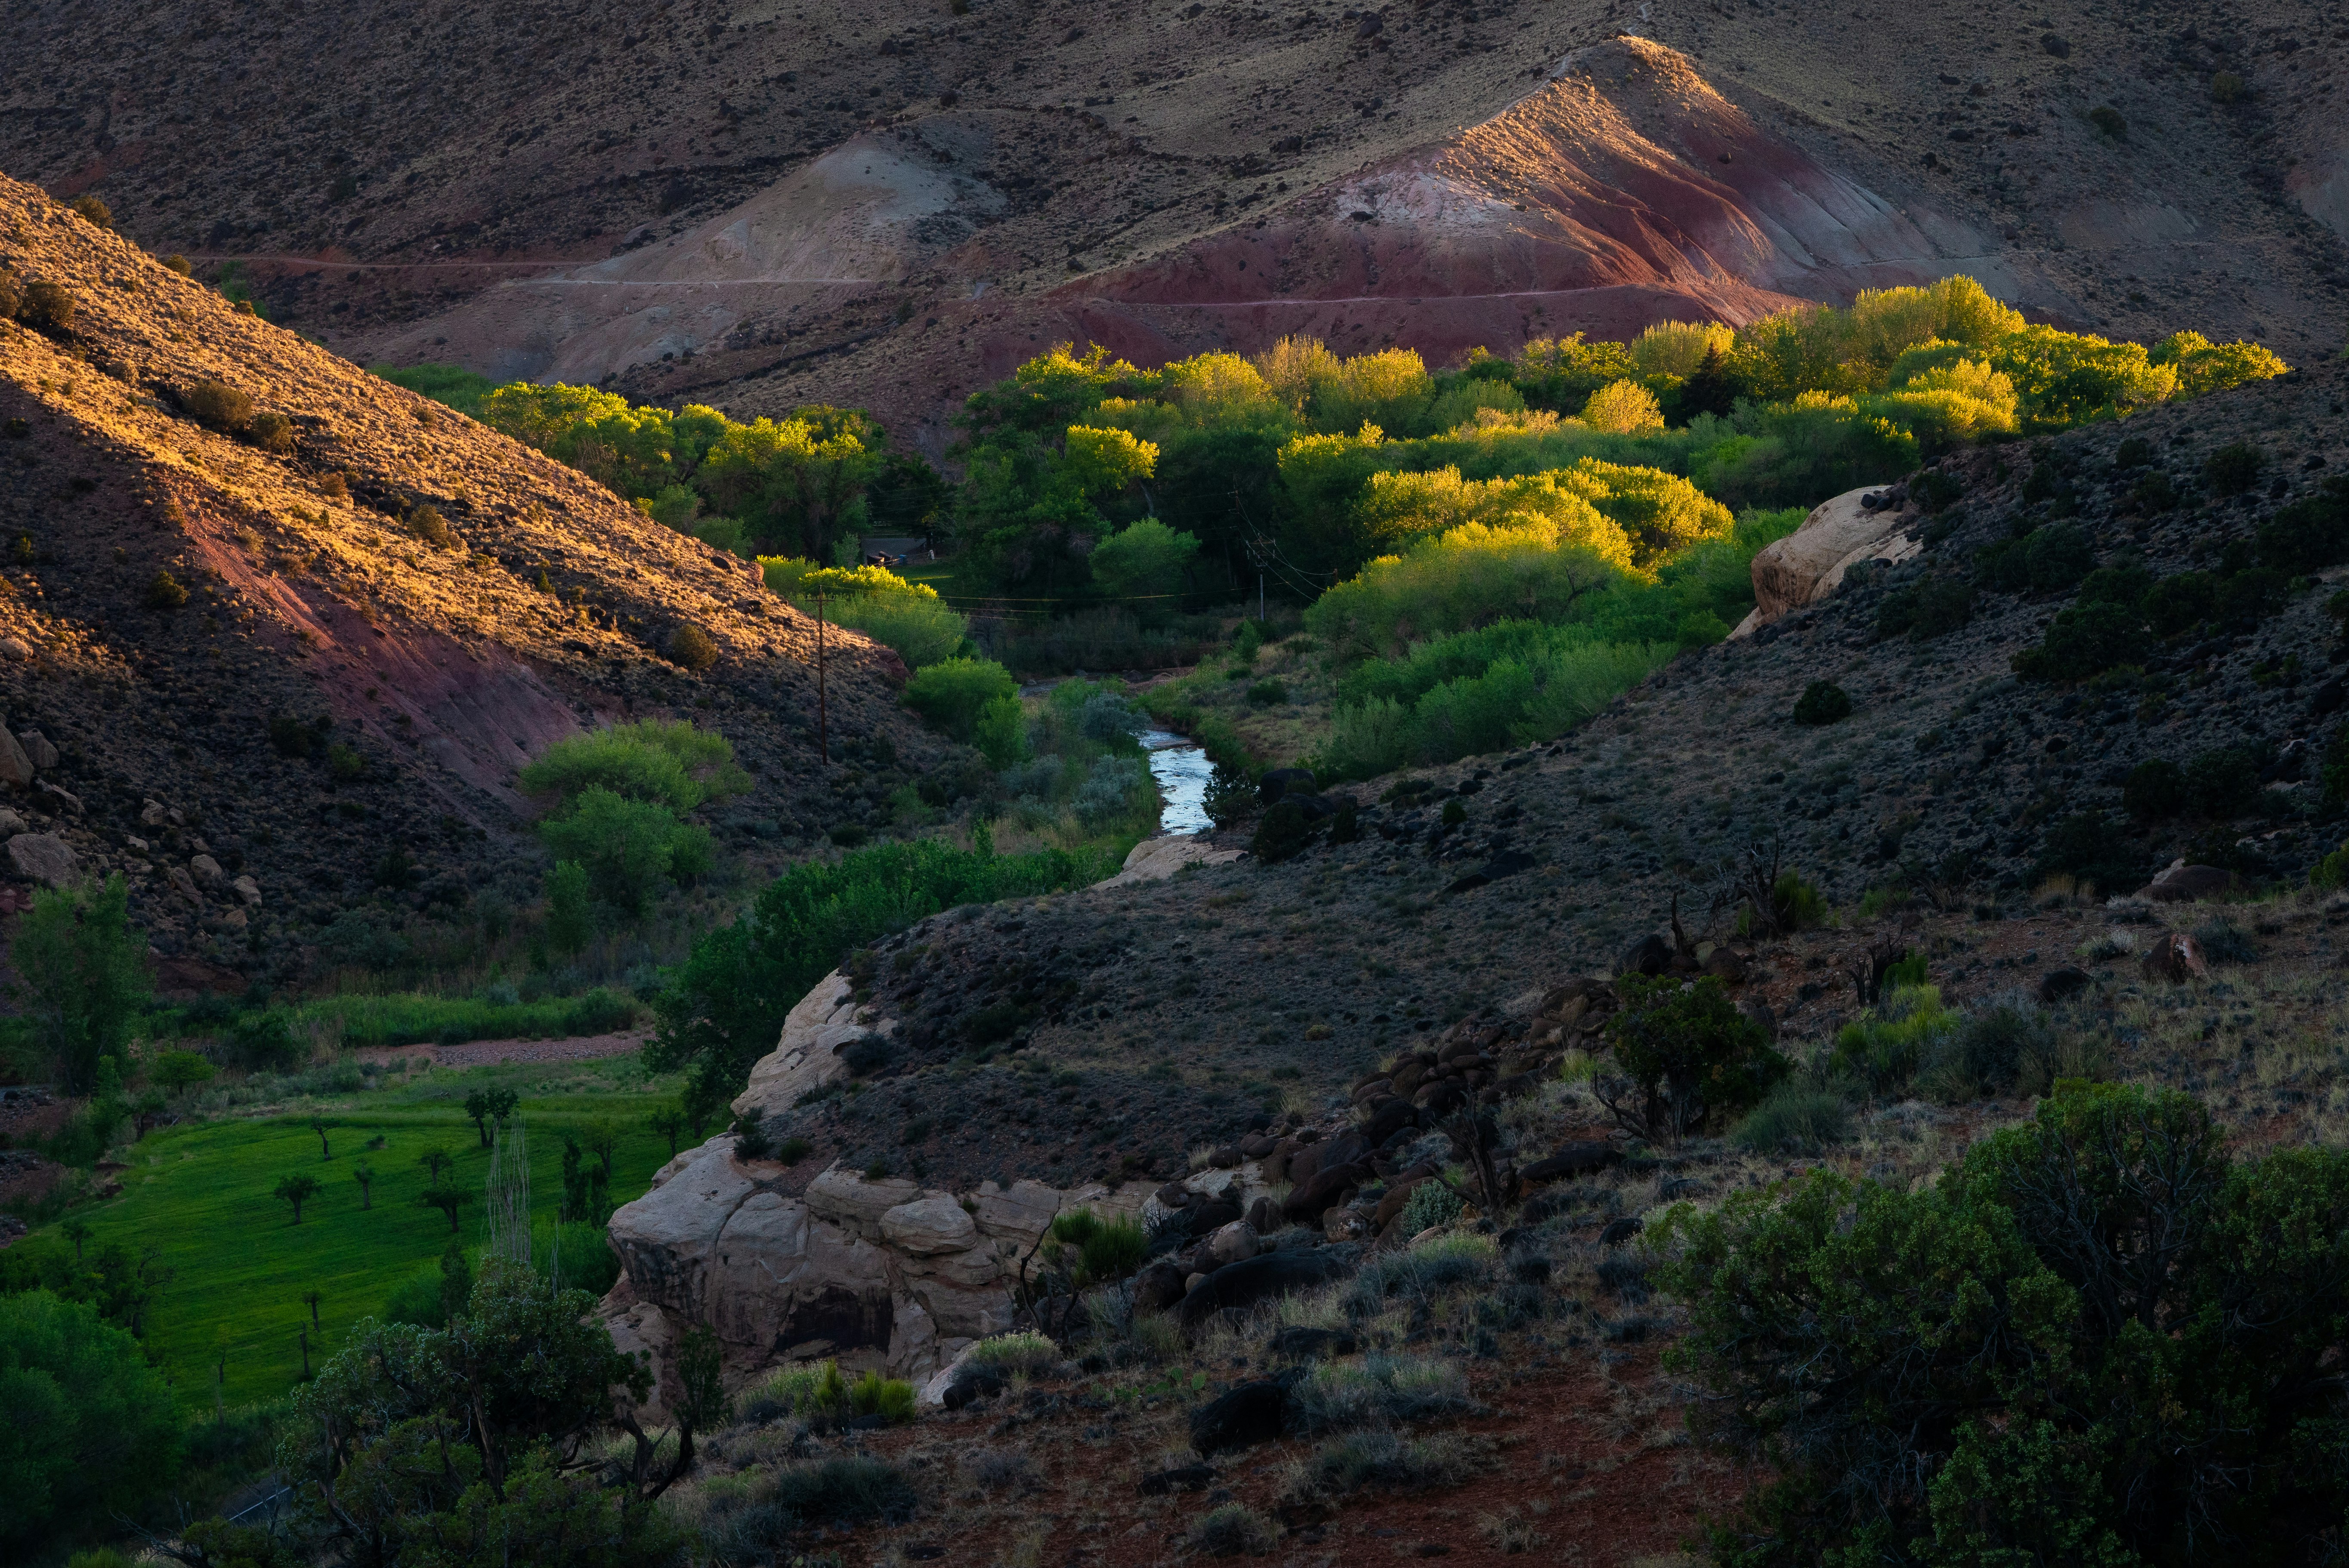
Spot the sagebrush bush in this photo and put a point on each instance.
(164, 592)
(427, 523)
(1884, 1049)
(2008, 1043)
(1797, 1116)
(218, 406)
(271, 433)
(47, 306)
(1234, 1530)
(1355, 1460)
(1382, 1391)
(1430, 1266)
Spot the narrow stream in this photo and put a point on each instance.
(1182, 771)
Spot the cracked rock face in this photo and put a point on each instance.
(882, 1270)
(878, 1270)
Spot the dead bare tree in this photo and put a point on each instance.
(1867, 966)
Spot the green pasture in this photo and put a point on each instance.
(201, 1194)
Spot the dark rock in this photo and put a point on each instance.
(1260, 1278)
(973, 1382)
(1387, 1117)
(1617, 1231)
(1309, 1201)
(2176, 957)
(1758, 1010)
(1301, 1344)
(1159, 1286)
(1349, 1145)
(1573, 1159)
(1278, 782)
(1182, 1478)
(1508, 863)
(1468, 883)
(1264, 1214)
(1209, 1218)
(1725, 964)
(1246, 1415)
(2059, 984)
(1651, 954)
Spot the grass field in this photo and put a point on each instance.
(201, 1194)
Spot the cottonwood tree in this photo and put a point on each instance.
(363, 1174)
(668, 1121)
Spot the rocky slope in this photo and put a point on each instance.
(326, 705)
(1950, 776)
(862, 206)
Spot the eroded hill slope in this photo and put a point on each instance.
(312, 608)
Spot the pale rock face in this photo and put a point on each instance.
(807, 1056)
(866, 1267)
(847, 1199)
(205, 869)
(247, 891)
(1232, 1243)
(1810, 563)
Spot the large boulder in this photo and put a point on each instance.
(2182, 883)
(929, 1226)
(1240, 1417)
(1810, 563)
(1155, 860)
(1261, 1278)
(16, 767)
(44, 858)
(1308, 1201)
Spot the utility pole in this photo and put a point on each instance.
(822, 720)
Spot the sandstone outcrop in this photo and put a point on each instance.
(1810, 563)
(807, 1056)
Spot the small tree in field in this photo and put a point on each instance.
(174, 1072)
(318, 1124)
(435, 1162)
(363, 1174)
(668, 1122)
(448, 1200)
(297, 1190)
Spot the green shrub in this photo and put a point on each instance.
(1822, 702)
(2006, 1044)
(1234, 1530)
(47, 307)
(2234, 468)
(891, 1398)
(1000, 732)
(570, 919)
(1385, 1460)
(1103, 1249)
(1797, 1116)
(165, 592)
(2331, 870)
(1923, 610)
(1687, 1058)
(2310, 534)
(691, 648)
(2224, 783)
(218, 406)
(953, 692)
(271, 432)
(2088, 846)
(2229, 88)
(1024, 1352)
(2056, 557)
(1284, 832)
(1268, 694)
(1987, 1369)
(2155, 789)
(1431, 1203)
(1147, 561)
(665, 761)
(2109, 120)
(2084, 639)
(91, 209)
(427, 523)
(1884, 1049)
(2178, 602)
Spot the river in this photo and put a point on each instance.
(1182, 769)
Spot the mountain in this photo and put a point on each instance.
(762, 208)
(313, 636)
